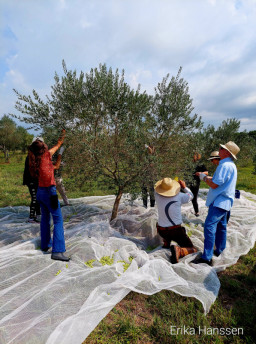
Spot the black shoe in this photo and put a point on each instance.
(45, 249)
(60, 256)
(47, 252)
(202, 261)
(175, 251)
(197, 214)
(216, 253)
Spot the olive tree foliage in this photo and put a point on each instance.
(110, 138)
(211, 137)
(252, 135)
(104, 119)
(108, 125)
(59, 109)
(229, 131)
(247, 146)
(171, 125)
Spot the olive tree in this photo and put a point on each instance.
(171, 125)
(108, 125)
(104, 119)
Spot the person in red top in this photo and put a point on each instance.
(41, 167)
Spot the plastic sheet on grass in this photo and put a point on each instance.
(46, 301)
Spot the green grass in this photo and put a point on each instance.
(148, 319)
(12, 192)
(246, 180)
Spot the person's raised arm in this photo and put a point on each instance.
(56, 165)
(186, 190)
(59, 143)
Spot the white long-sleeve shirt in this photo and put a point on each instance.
(169, 208)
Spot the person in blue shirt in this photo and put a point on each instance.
(219, 200)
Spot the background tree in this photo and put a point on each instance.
(8, 139)
(23, 138)
(211, 138)
(13, 137)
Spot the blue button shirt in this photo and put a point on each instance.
(225, 176)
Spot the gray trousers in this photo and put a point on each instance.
(61, 190)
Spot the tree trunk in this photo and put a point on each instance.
(6, 154)
(116, 204)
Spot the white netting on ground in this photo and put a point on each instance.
(46, 301)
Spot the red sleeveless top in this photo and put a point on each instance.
(46, 171)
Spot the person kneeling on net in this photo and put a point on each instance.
(169, 200)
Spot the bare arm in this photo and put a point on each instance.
(56, 166)
(208, 181)
(60, 142)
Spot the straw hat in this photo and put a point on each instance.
(167, 187)
(37, 138)
(232, 148)
(214, 155)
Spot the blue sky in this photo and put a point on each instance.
(213, 40)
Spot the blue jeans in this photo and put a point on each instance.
(58, 242)
(215, 231)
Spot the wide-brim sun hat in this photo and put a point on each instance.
(167, 187)
(37, 138)
(214, 155)
(232, 148)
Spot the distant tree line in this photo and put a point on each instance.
(108, 124)
(13, 137)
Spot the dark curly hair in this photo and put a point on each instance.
(35, 152)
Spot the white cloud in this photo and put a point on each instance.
(143, 77)
(248, 124)
(214, 42)
(85, 24)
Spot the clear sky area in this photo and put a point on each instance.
(214, 41)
